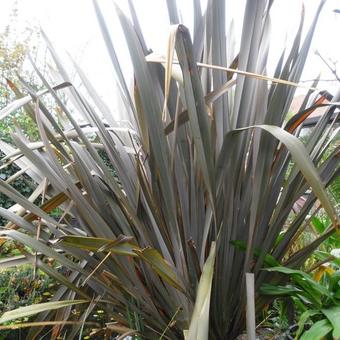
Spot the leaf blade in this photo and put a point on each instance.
(199, 325)
(35, 309)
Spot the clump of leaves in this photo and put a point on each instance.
(317, 300)
(202, 169)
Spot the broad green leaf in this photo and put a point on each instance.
(26, 311)
(311, 289)
(199, 324)
(333, 315)
(269, 289)
(303, 319)
(317, 331)
(302, 279)
(286, 270)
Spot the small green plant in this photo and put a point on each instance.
(317, 301)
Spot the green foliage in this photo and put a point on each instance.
(23, 122)
(317, 304)
(321, 222)
(20, 287)
(206, 164)
(276, 317)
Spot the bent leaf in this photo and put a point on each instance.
(303, 319)
(305, 165)
(333, 315)
(317, 331)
